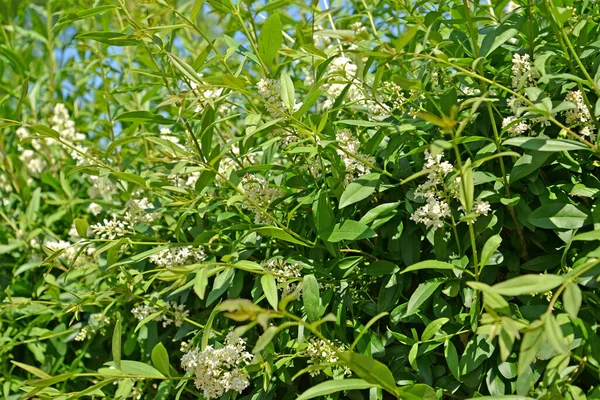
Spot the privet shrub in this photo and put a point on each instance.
(266, 200)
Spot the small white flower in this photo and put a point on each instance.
(219, 370)
(178, 256)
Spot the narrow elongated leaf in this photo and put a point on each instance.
(543, 144)
(429, 264)
(452, 359)
(287, 91)
(433, 327)
(334, 386)
(265, 339)
(139, 369)
(421, 294)
(269, 286)
(490, 246)
(160, 359)
(530, 344)
(359, 189)
(553, 334)
(311, 298)
(558, 216)
(270, 40)
(370, 370)
(528, 284)
(572, 299)
(350, 230)
(143, 116)
(116, 344)
(279, 233)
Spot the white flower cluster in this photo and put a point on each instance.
(341, 71)
(62, 123)
(390, 97)
(143, 311)
(323, 352)
(354, 167)
(34, 162)
(261, 196)
(284, 271)
(204, 96)
(358, 28)
(95, 208)
(70, 252)
(523, 76)
(580, 115)
(187, 180)
(101, 186)
(178, 256)
(219, 370)
(178, 311)
(270, 91)
(138, 209)
(436, 209)
(96, 324)
(228, 163)
(112, 229)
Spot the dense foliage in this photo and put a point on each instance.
(273, 199)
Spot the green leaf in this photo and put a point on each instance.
(128, 177)
(490, 246)
(466, 187)
(554, 334)
(334, 386)
(110, 38)
(433, 327)
(587, 236)
(160, 359)
(451, 356)
(32, 370)
(496, 38)
(478, 350)
(186, 69)
(350, 230)
(81, 225)
(269, 286)
(70, 17)
(421, 294)
(359, 189)
(270, 40)
(138, 369)
(144, 116)
(201, 282)
(323, 215)
(31, 213)
(543, 144)
(405, 37)
(278, 233)
(381, 268)
(208, 328)
(380, 210)
(558, 216)
(116, 344)
(527, 164)
(429, 264)
(419, 391)
(531, 342)
(528, 284)
(287, 91)
(370, 370)
(572, 299)
(265, 339)
(311, 298)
